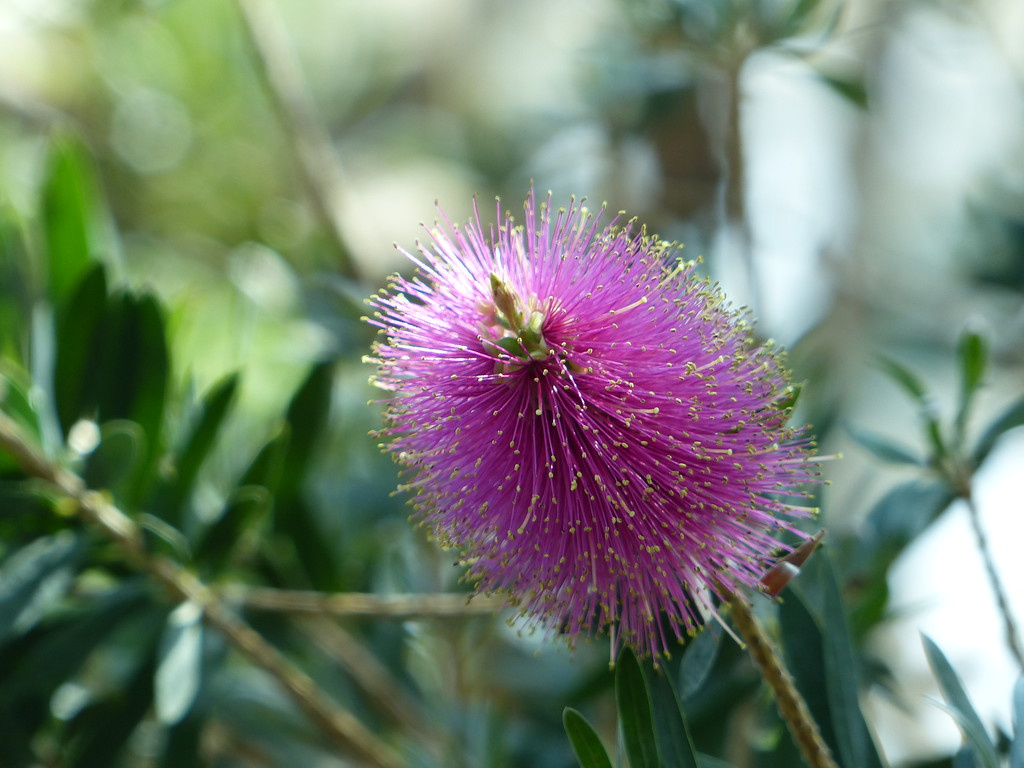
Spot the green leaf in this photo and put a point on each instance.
(81, 336)
(965, 758)
(242, 513)
(69, 213)
(586, 744)
(295, 520)
(116, 457)
(136, 380)
(100, 731)
(179, 663)
(960, 705)
(973, 354)
(58, 649)
(675, 746)
(707, 761)
(1017, 745)
(34, 579)
(804, 651)
(307, 418)
(17, 402)
(1011, 418)
(698, 659)
(905, 378)
(171, 500)
(15, 290)
(856, 747)
(905, 511)
(635, 716)
(884, 448)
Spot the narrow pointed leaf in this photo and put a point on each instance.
(307, 418)
(973, 353)
(1011, 418)
(960, 704)
(884, 448)
(1017, 745)
(179, 663)
(803, 649)
(69, 213)
(79, 367)
(698, 659)
(856, 747)
(586, 744)
(197, 447)
(635, 716)
(33, 579)
(675, 746)
(905, 378)
(965, 758)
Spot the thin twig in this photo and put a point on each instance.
(309, 144)
(339, 725)
(1010, 630)
(371, 675)
(407, 606)
(791, 704)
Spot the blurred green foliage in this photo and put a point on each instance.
(176, 332)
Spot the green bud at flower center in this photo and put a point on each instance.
(522, 327)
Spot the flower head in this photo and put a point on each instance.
(587, 422)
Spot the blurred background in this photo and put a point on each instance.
(852, 172)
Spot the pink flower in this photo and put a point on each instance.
(588, 422)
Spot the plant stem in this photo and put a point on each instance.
(356, 604)
(791, 704)
(1010, 630)
(308, 143)
(346, 732)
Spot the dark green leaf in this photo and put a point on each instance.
(101, 730)
(69, 213)
(586, 744)
(81, 336)
(675, 747)
(307, 419)
(116, 457)
(179, 663)
(267, 466)
(884, 448)
(635, 717)
(15, 291)
(1011, 418)
(1017, 745)
(295, 520)
(17, 403)
(215, 407)
(707, 761)
(242, 514)
(803, 648)
(905, 378)
(58, 650)
(136, 381)
(698, 659)
(965, 758)
(34, 579)
(973, 353)
(905, 511)
(856, 747)
(960, 705)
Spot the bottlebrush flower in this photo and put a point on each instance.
(588, 422)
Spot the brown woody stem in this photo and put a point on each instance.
(791, 704)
